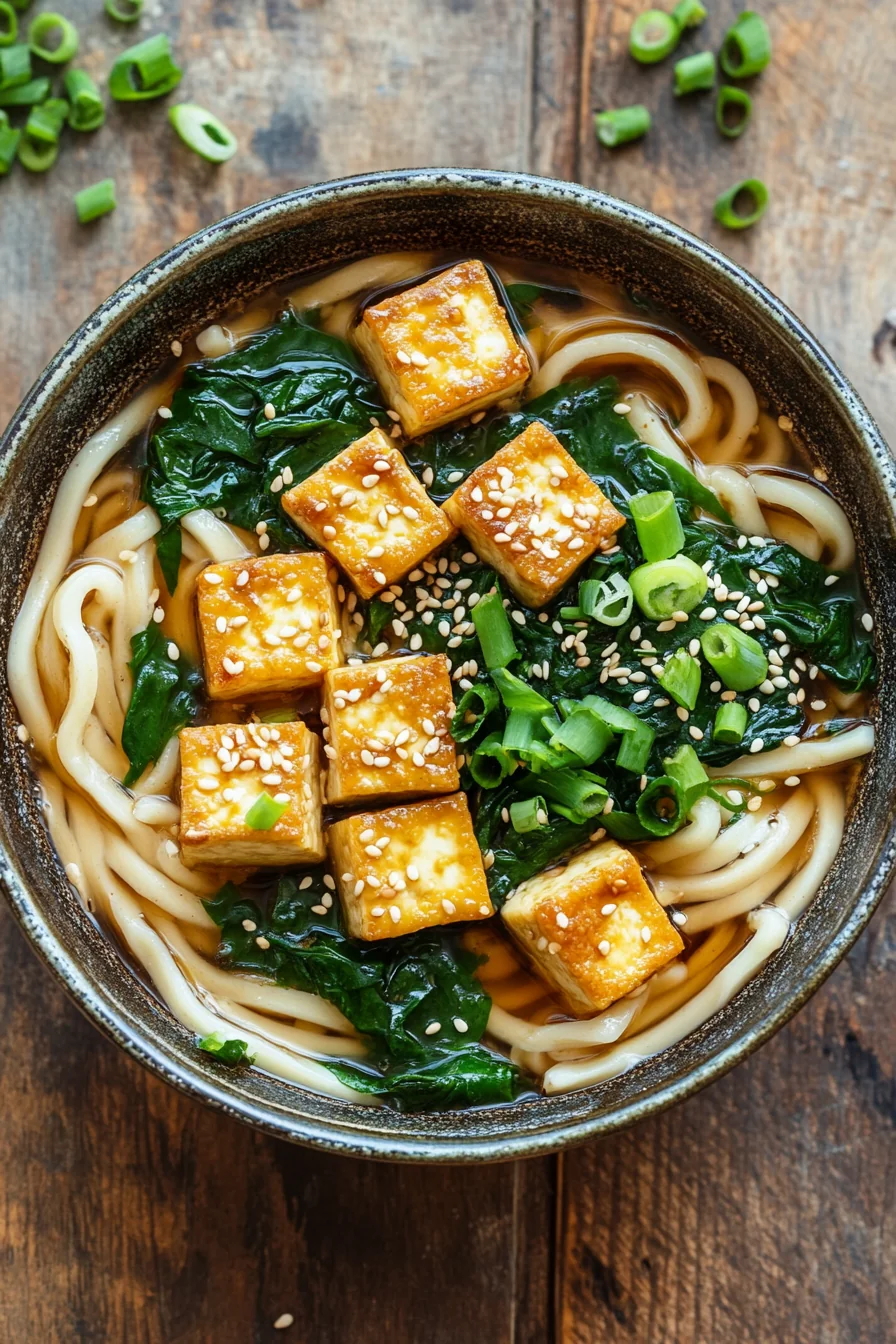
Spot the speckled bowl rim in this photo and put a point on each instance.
(356, 1139)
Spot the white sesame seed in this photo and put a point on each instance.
(791, 781)
(679, 918)
(460, 1025)
(867, 621)
(756, 745)
(645, 934)
(603, 947)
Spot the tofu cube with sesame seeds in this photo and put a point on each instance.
(533, 514)
(410, 867)
(443, 349)
(367, 508)
(224, 769)
(267, 624)
(593, 928)
(388, 730)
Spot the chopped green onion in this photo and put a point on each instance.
(144, 71)
(86, 110)
(738, 658)
(518, 694)
(654, 34)
(124, 11)
(46, 121)
(661, 807)
(279, 716)
(15, 66)
(20, 4)
(680, 678)
(747, 47)
(521, 729)
(667, 586)
(730, 723)
(53, 29)
(203, 132)
(11, 29)
(540, 756)
(479, 701)
(621, 125)
(657, 524)
(607, 600)
(493, 631)
(688, 14)
(92, 203)
(635, 748)
(491, 763)
(231, 1051)
(37, 156)
(741, 214)
(264, 813)
(738, 102)
(695, 73)
(685, 768)
(528, 814)
(584, 733)
(9, 144)
(25, 95)
(578, 791)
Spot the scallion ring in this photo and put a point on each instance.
(653, 36)
(730, 723)
(606, 600)
(144, 71)
(10, 30)
(37, 156)
(55, 28)
(203, 133)
(747, 46)
(25, 95)
(657, 524)
(86, 110)
(46, 120)
(667, 586)
(661, 807)
(15, 66)
(688, 14)
(528, 814)
(695, 74)
(738, 658)
(264, 813)
(491, 762)
(493, 631)
(680, 678)
(9, 144)
(473, 709)
(93, 202)
(734, 107)
(742, 205)
(621, 125)
(124, 11)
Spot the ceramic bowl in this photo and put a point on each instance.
(128, 337)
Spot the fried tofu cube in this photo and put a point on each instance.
(593, 928)
(389, 730)
(268, 624)
(367, 508)
(533, 514)
(443, 349)
(410, 867)
(225, 769)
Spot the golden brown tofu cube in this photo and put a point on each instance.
(389, 730)
(269, 624)
(224, 769)
(533, 514)
(368, 509)
(593, 928)
(410, 867)
(443, 349)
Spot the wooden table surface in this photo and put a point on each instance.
(761, 1210)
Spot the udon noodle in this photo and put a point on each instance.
(737, 884)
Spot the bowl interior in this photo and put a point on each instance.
(128, 338)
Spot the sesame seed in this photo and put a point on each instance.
(645, 934)
(867, 621)
(791, 781)
(603, 947)
(622, 408)
(460, 1025)
(176, 349)
(756, 745)
(173, 652)
(679, 918)
(696, 733)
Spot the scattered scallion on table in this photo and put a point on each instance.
(742, 205)
(689, 13)
(203, 132)
(15, 66)
(621, 125)
(94, 201)
(9, 143)
(9, 24)
(747, 46)
(144, 71)
(653, 36)
(734, 107)
(124, 11)
(53, 38)
(694, 74)
(25, 95)
(86, 110)
(46, 120)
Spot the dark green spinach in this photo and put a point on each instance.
(166, 696)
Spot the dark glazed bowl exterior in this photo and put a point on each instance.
(128, 338)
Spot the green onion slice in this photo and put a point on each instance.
(37, 156)
(203, 132)
(685, 768)
(479, 701)
(521, 730)
(680, 678)
(747, 47)
(15, 66)
(25, 95)
(742, 205)
(46, 121)
(53, 38)
(657, 524)
(581, 794)
(667, 586)
(528, 814)
(518, 694)
(10, 30)
(279, 716)
(124, 11)
(86, 110)
(583, 733)
(730, 723)
(607, 600)
(95, 201)
(9, 144)
(688, 13)
(734, 107)
(635, 748)
(144, 71)
(493, 631)
(695, 73)
(621, 125)
(232, 1051)
(264, 813)
(491, 762)
(738, 658)
(661, 807)
(654, 34)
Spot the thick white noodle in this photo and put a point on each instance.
(371, 273)
(652, 429)
(744, 408)
(815, 507)
(812, 753)
(219, 541)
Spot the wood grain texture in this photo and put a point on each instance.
(762, 1210)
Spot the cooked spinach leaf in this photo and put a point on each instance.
(390, 991)
(165, 697)
(219, 450)
(231, 1051)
